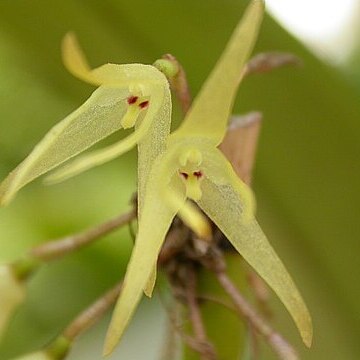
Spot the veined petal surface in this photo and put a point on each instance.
(154, 224)
(209, 114)
(96, 119)
(224, 206)
(154, 121)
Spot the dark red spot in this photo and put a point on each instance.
(132, 99)
(184, 175)
(197, 174)
(144, 104)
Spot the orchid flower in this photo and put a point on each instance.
(132, 95)
(193, 168)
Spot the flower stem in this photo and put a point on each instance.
(58, 248)
(281, 347)
(205, 348)
(24, 267)
(179, 84)
(92, 314)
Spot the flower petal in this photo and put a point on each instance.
(107, 74)
(94, 158)
(96, 119)
(74, 59)
(220, 172)
(189, 214)
(224, 206)
(208, 116)
(150, 146)
(154, 224)
(154, 143)
(154, 115)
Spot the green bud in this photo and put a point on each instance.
(168, 67)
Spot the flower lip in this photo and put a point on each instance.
(136, 103)
(184, 174)
(198, 174)
(144, 104)
(132, 99)
(190, 161)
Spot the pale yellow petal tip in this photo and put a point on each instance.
(261, 3)
(111, 342)
(148, 292)
(307, 333)
(203, 229)
(73, 57)
(195, 220)
(150, 285)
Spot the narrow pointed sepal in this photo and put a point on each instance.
(211, 109)
(224, 206)
(154, 224)
(109, 74)
(95, 158)
(150, 284)
(159, 97)
(96, 119)
(189, 214)
(74, 58)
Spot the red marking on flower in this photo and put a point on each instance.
(184, 175)
(132, 100)
(144, 104)
(198, 174)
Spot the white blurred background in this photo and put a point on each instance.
(325, 26)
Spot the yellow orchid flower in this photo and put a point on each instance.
(193, 168)
(132, 95)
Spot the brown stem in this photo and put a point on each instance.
(169, 347)
(215, 300)
(260, 291)
(180, 85)
(55, 249)
(206, 349)
(192, 342)
(266, 62)
(92, 314)
(284, 350)
(175, 242)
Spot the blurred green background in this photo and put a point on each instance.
(306, 177)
